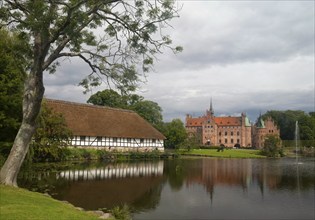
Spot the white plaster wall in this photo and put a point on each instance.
(116, 142)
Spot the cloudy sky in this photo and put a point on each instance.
(249, 56)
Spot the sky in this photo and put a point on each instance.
(247, 56)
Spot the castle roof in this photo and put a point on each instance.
(260, 122)
(91, 120)
(228, 121)
(195, 122)
(220, 121)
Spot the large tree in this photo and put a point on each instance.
(149, 110)
(111, 36)
(175, 134)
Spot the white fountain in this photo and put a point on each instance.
(297, 141)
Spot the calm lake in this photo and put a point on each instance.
(189, 188)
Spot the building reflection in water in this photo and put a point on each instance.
(222, 172)
(140, 184)
(137, 184)
(114, 171)
(266, 174)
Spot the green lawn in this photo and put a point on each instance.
(227, 153)
(16, 203)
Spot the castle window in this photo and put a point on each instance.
(238, 133)
(232, 141)
(238, 141)
(231, 133)
(220, 134)
(225, 141)
(225, 133)
(220, 141)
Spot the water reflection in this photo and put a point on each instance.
(271, 174)
(114, 171)
(157, 189)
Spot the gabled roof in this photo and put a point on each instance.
(195, 122)
(228, 121)
(92, 120)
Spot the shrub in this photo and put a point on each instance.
(103, 155)
(122, 212)
(272, 147)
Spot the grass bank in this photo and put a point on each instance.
(17, 203)
(227, 153)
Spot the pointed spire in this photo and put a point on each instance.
(211, 108)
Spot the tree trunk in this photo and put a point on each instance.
(33, 95)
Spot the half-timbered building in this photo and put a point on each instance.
(107, 128)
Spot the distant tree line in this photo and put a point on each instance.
(285, 120)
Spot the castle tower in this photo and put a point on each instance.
(210, 112)
(211, 108)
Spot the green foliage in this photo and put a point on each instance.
(175, 134)
(51, 136)
(149, 110)
(12, 64)
(86, 154)
(302, 143)
(272, 146)
(122, 212)
(192, 141)
(109, 98)
(80, 154)
(5, 148)
(131, 35)
(286, 122)
(2, 160)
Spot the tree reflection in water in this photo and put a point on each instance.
(142, 184)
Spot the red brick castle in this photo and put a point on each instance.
(229, 131)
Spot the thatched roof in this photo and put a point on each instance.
(92, 120)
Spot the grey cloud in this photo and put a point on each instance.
(249, 56)
(70, 72)
(244, 32)
(251, 103)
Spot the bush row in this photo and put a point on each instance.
(70, 154)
